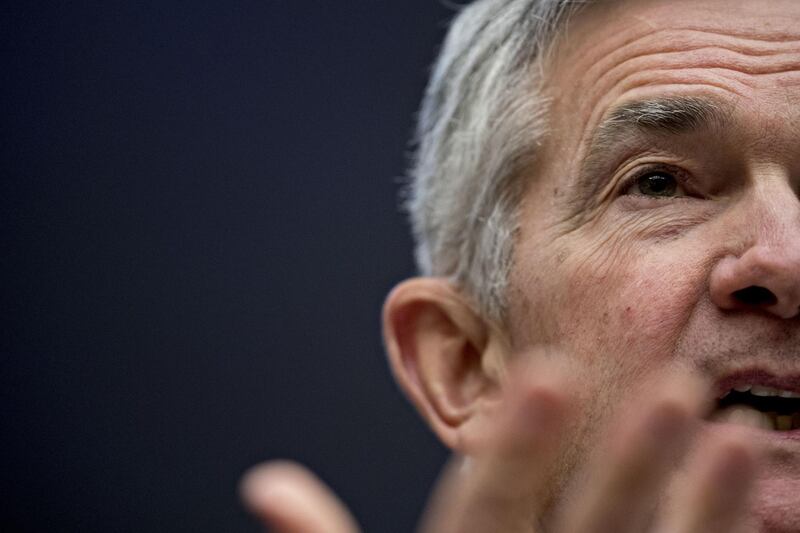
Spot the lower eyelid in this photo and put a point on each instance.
(640, 202)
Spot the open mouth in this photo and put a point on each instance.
(759, 406)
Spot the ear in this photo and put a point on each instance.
(447, 359)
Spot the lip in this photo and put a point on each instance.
(764, 378)
(757, 376)
(756, 433)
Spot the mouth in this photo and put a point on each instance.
(761, 401)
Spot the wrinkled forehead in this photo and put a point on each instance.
(603, 26)
(742, 53)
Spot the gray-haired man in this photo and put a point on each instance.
(606, 330)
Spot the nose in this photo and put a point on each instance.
(765, 277)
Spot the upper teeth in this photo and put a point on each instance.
(758, 390)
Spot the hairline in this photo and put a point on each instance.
(497, 50)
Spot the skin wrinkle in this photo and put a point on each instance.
(587, 208)
(649, 76)
(647, 73)
(629, 128)
(743, 59)
(626, 291)
(639, 39)
(659, 225)
(732, 73)
(785, 39)
(644, 75)
(751, 45)
(756, 23)
(595, 263)
(681, 78)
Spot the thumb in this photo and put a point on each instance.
(290, 499)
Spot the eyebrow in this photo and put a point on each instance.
(671, 115)
(643, 119)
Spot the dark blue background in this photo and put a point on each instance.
(199, 224)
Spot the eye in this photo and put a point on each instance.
(658, 184)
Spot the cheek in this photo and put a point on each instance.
(626, 304)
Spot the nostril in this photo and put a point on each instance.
(756, 296)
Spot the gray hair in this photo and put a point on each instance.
(480, 123)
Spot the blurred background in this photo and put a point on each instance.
(199, 224)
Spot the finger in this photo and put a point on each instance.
(622, 487)
(499, 488)
(288, 498)
(716, 491)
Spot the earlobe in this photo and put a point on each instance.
(446, 358)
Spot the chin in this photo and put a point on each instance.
(776, 504)
(776, 495)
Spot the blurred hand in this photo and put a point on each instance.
(504, 486)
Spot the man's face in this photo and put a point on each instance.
(667, 190)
